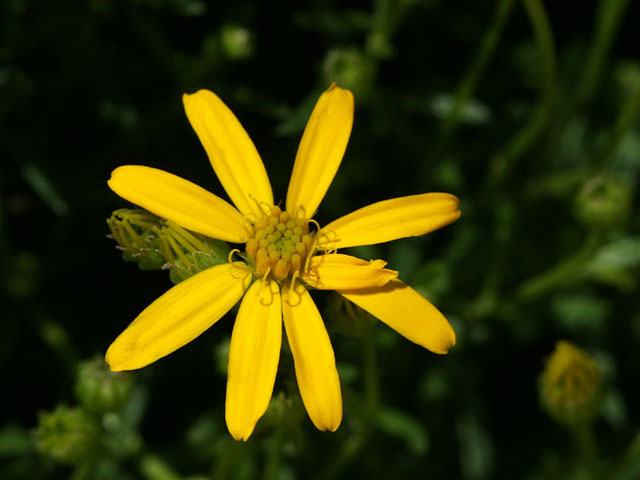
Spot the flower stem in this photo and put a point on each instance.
(561, 274)
(608, 17)
(625, 119)
(587, 448)
(484, 55)
(370, 366)
(502, 162)
(274, 454)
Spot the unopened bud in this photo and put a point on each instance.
(350, 68)
(237, 42)
(99, 389)
(603, 203)
(67, 435)
(570, 385)
(154, 243)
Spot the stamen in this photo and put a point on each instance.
(124, 237)
(167, 253)
(188, 237)
(140, 243)
(240, 266)
(249, 223)
(114, 230)
(288, 299)
(266, 274)
(295, 275)
(268, 208)
(176, 248)
(181, 241)
(230, 256)
(309, 255)
(262, 302)
(313, 221)
(300, 213)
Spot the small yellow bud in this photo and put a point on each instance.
(296, 262)
(274, 256)
(281, 269)
(263, 263)
(570, 385)
(252, 247)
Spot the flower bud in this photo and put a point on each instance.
(99, 389)
(570, 386)
(67, 435)
(133, 230)
(237, 43)
(603, 203)
(154, 243)
(351, 69)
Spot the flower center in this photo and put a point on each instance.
(280, 244)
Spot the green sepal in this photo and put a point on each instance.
(216, 254)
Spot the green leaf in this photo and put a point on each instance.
(400, 425)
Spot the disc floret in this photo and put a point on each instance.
(281, 244)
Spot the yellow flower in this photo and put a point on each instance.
(285, 253)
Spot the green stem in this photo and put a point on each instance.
(608, 17)
(624, 121)
(561, 274)
(587, 448)
(153, 467)
(354, 445)
(232, 456)
(274, 454)
(470, 81)
(502, 162)
(370, 364)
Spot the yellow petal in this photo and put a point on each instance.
(313, 357)
(340, 272)
(408, 313)
(179, 200)
(178, 316)
(231, 152)
(253, 358)
(391, 219)
(321, 150)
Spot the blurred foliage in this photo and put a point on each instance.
(527, 110)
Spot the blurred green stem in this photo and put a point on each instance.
(608, 18)
(470, 81)
(387, 17)
(625, 119)
(587, 448)
(154, 467)
(370, 364)
(56, 337)
(353, 446)
(503, 161)
(232, 456)
(561, 274)
(274, 454)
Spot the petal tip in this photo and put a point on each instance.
(448, 344)
(240, 432)
(329, 425)
(111, 358)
